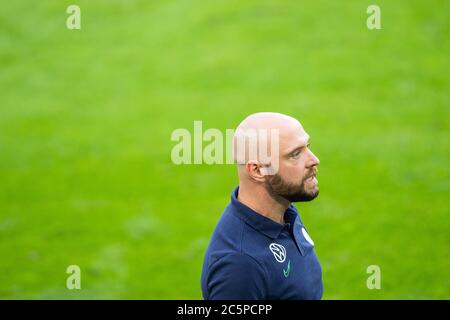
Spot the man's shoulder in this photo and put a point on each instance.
(231, 227)
(233, 237)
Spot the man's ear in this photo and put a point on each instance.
(255, 171)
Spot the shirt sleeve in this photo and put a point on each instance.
(236, 276)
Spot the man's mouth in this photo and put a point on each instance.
(312, 176)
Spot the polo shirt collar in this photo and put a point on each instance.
(259, 222)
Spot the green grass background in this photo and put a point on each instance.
(86, 118)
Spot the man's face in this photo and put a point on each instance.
(296, 179)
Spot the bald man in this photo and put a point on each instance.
(260, 248)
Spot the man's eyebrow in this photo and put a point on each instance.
(299, 147)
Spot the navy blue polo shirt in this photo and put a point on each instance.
(253, 257)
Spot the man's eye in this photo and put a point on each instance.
(296, 154)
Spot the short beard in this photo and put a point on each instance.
(278, 188)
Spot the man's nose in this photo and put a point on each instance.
(314, 160)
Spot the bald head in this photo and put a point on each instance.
(259, 138)
(269, 120)
(272, 153)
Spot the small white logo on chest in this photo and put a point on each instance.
(279, 252)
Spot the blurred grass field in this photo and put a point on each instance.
(86, 118)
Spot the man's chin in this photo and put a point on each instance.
(305, 196)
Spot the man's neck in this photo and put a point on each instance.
(260, 201)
